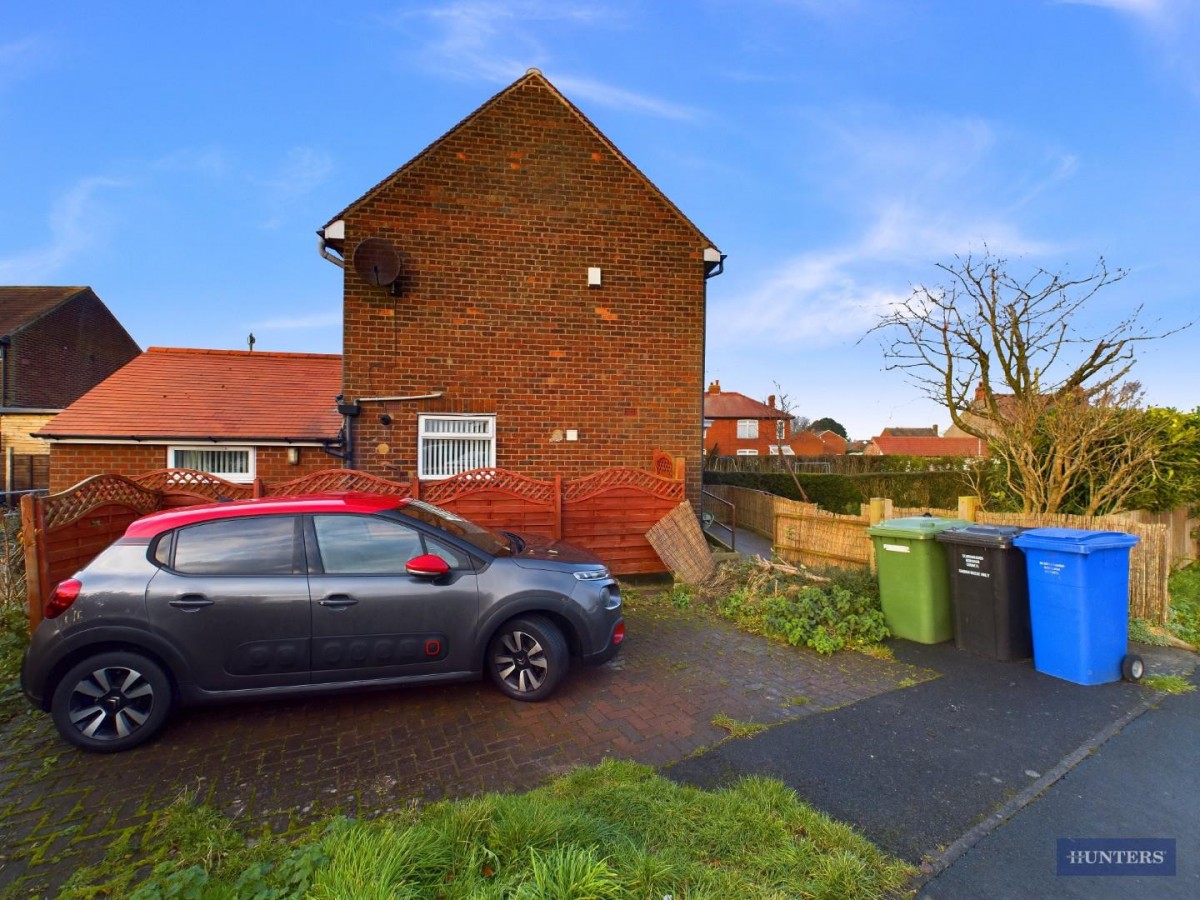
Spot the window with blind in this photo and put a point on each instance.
(230, 463)
(447, 445)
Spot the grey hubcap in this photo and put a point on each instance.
(111, 703)
(522, 663)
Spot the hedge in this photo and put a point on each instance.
(846, 493)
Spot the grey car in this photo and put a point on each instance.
(281, 597)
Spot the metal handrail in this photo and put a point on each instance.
(709, 519)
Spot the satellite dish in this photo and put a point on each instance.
(376, 261)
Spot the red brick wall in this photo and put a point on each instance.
(64, 354)
(722, 435)
(72, 463)
(497, 225)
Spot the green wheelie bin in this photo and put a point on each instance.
(914, 584)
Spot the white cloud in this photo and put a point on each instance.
(302, 170)
(1172, 27)
(497, 42)
(920, 192)
(75, 226)
(311, 320)
(21, 57)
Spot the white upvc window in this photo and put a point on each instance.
(782, 450)
(449, 444)
(747, 453)
(780, 430)
(231, 463)
(707, 425)
(748, 429)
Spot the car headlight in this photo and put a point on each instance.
(591, 574)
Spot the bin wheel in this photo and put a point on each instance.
(1132, 668)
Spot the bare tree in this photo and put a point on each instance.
(785, 406)
(1006, 357)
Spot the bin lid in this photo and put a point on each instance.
(999, 536)
(1074, 540)
(921, 528)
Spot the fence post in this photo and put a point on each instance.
(33, 536)
(558, 507)
(877, 510)
(968, 508)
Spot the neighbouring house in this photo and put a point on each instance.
(930, 432)
(892, 445)
(1005, 405)
(736, 425)
(237, 414)
(56, 343)
(520, 295)
(835, 444)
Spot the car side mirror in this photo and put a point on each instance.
(427, 566)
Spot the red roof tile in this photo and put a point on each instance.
(929, 446)
(732, 405)
(175, 393)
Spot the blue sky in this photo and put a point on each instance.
(178, 157)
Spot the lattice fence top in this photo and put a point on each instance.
(334, 480)
(100, 490)
(190, 481)
(465, 483)
(584, 488)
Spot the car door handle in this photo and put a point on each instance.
(190, 602)
(338, 601)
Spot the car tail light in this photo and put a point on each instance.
(62, 598)
(618, 633)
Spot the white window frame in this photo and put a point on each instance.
(236, 477)
(747, 453)
(427, 434)
(747, 429)
(780, 430)
(782, 450)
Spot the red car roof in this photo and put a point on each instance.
(156, 523)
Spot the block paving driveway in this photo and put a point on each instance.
(364, 754)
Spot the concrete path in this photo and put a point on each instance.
(1142, 783)
(917, 769)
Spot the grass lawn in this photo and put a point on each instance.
(612, 830)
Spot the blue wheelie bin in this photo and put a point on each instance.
(1079, 603)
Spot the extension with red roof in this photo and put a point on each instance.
(256, 406)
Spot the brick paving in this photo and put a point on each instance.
(368, 753)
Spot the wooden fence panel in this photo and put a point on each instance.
(608, 513)
(498, 498)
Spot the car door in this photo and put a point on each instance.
(371, 619)
(232, 595)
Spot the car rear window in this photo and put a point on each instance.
(259, 545)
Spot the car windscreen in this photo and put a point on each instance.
(485, 539)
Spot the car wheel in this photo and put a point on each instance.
(111, 701)
(528, 657)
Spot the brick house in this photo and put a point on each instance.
(56, 343)
(925, 445)
(736, 425)
(234, 413)
(520, 295)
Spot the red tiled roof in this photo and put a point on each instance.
(21, 305)
(732, 405)
(175, 393)
(929, 446)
